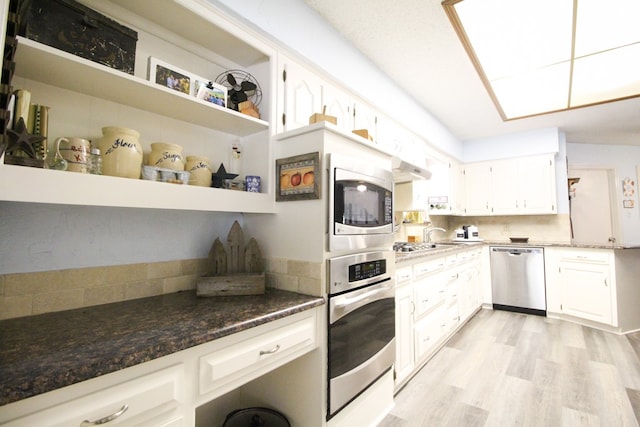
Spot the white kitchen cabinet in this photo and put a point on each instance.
(411, 196)
(404, 327)
(229, 367)
(300, 95)
(523, 185)
(434, 296)
(103, 96)
(168, 390)
(429, 333)
(518, 186)
(469, 285)
(581, 283)
(444, 190)
(477, 186)
(149, 400)
(429, 293)
(339, 105)
(365, 117)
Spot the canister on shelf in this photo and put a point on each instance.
(200, 169)
(167, 156)
(121, 152)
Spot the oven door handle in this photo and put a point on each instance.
(345, 304)
(366, 296)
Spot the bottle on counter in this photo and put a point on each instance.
(95, 162)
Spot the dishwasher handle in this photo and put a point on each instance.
(517, 251)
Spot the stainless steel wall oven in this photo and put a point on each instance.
(361, 332)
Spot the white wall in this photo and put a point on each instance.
(624, 160)
(42, 237)
(293, 24)
(540, 141)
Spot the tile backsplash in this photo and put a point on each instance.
(539, 228)
(26, 294)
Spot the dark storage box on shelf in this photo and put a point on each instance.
(69, 26)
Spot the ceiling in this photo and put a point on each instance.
(413, 42)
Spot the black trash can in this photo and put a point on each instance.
(256, 417)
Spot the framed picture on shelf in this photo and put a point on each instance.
(209, 91)
(169, 76)
(298, 177)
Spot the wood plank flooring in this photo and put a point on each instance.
(511, 369)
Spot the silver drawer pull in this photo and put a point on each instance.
(108, 418)
(273, 350)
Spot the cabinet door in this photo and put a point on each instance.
(586, 291)
(428, 294)
(365, 117)
(338, 104)
(404, 332)
(505, 179)
(537, 192)
(411, 196)
(429, 333)
(302, 95)
(443, 188)
(477, 183)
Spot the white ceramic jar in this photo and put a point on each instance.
(121, 152)
(200, 168)
(167, 156)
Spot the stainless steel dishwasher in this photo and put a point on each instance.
(517, 279)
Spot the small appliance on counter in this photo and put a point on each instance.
(467, 233)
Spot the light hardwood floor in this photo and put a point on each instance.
(511, 369)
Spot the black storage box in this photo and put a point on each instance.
(67, 25)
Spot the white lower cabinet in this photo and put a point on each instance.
(434, 296)
(404, 331)
(581, 283)
(167, 391)
(150, 400)
(229, 367)
(429, 333)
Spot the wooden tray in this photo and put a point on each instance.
(235, 284)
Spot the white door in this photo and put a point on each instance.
(590, 204)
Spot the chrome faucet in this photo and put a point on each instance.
(426, 233)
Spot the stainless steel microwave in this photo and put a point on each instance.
(360, 204)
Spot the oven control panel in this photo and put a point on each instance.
(360, 269)
(367, 270)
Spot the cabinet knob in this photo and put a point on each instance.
(108, 418)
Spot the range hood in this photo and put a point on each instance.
(404, 171)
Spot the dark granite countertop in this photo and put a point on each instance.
(45, 352)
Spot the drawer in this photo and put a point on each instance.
(403, 275)
(584, 255)
(428, 267)
(429, 332)
(145, 398)
(233, 365)
(428, 295)
(451, 260)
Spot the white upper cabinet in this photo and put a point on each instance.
(300, 95)
(365, 117)
(477, 185)
(84, 96)
(519, 186)
(444, 189)
(339, 105)
(524, 186)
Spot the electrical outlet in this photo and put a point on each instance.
(506, 227)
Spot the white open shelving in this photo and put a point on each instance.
(44, 64)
